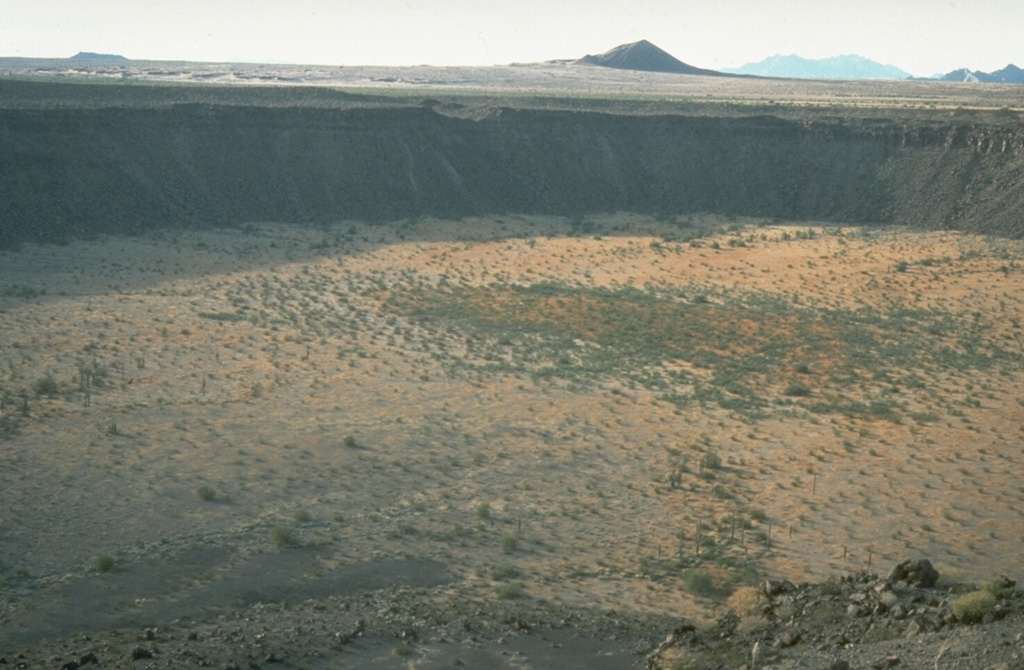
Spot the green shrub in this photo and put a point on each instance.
(511, 590)
(301, 516)
(350, 442)
(45, 385)
(698, 582)
(509, 542)
(103, 563)
(504, 572)
(206, 493)
(997, 585)
(483, 510)
(282, 536)
(973, 606)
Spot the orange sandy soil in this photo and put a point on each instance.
(241, 360)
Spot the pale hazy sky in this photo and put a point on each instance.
(923, 37)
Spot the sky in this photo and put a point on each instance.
(922, 37)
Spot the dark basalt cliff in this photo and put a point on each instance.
(75, 170)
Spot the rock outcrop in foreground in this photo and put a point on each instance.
(906, 619)
(862, 622)
(118, 158)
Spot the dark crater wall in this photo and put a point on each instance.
(75, 171)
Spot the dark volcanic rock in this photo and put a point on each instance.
(643, 56)
(919, 572)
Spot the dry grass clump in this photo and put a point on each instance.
(745, 600)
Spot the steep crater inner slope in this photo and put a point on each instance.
(77, 169)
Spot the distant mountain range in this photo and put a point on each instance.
(838, 67)
(643, 56)
(1011, 74)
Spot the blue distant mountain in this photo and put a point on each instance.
(837, 67)
(90, 56)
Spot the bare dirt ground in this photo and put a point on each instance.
(506, 415)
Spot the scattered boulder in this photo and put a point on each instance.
(788, 638)
(774, 588)
(915, 572)
(762, 653)
(140, 652)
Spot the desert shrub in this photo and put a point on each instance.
(282, 536)
(483, 510)
(206, 493)
(509, 542)
(45, 385)
(301, 516)
(698, 582)
(8, 427)
(997, 585)
(504, 572)
(711, 460)
(510, 590)
(403, 528)
(797, 391)
(745, 600)
(103, 563)
(350, 442)
(973, 606)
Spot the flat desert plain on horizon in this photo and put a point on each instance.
(617, 412)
